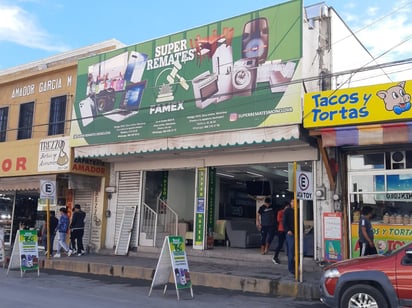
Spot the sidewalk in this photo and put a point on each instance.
(243, 270)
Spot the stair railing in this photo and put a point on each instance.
(149, 223)
(168, 218)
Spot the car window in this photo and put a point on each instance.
(391, 252)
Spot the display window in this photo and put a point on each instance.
(382, 181)
(6, 214)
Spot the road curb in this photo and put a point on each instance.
(285, 286)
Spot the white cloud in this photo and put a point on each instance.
(382, 38)
(371, 11)
(20, 27)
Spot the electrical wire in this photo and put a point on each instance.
(351, 72)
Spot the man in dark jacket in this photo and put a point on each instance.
(265, 222)
(367, 246)
(289, 226)
(77, 229)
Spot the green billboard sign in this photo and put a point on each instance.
(232, 74)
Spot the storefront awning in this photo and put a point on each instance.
(24, 182)
(378, 134)
(194, 142)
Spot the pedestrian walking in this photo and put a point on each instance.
(280, 232)
(265, 222)
(289, 226)
(366, 243)
(77, 229)
(61, 229)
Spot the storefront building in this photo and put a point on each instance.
(369, 131)
(35, 104)
(190, 131)
(206, 119)
(200, 125)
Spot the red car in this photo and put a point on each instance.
(378, 281)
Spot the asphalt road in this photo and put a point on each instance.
(52, 289)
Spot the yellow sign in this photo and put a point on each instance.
(386, 237)
(19, 158)
(370, 104)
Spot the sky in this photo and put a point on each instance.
(31, 30)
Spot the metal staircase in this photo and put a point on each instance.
(156, 224)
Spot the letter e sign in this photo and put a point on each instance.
(304, 189)
(47, 189)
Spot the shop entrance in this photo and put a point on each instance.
(382, 181)
(237, 193)
(25, 211)
(6, 214)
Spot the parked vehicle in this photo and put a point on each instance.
(379, 281)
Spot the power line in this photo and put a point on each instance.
(296, 81)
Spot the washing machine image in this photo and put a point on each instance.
(244, 76)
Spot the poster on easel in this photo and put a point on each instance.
(173, 259)
(25, 253)
(332, 233)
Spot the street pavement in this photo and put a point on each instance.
(244, 270)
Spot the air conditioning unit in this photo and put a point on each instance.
(398, 160)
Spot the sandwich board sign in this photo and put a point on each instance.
(173, 259)
(25, 253)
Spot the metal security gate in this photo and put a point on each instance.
(129, 185)
(125, 233)
(84, 198)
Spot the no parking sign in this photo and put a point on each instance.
(304, 185)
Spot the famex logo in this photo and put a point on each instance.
(378, 103)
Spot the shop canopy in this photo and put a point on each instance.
(31, 182)
(378, 134)
(228, 139)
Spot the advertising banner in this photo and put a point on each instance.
(233, 74)
(332, 233)
(200, 212)
(179, 262)
(29, 251)
(386, 237)
(369, 104)
(172, 260)
(54, 154)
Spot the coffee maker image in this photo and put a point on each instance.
(255, 39)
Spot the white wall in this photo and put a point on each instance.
(181, 192)
(348, 53)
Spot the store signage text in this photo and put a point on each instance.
(346, 107)
(171, 53)
(353, 106)
(55, 144)
(43, 86)
(398, 196)
(18, 164)
(393, 232)
(159, 108)
(88, 168)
